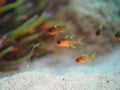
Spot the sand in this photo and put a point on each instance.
(42, 81)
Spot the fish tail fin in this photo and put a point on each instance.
(73, 46)
(80, 40)
(86, 54)
(93, 55)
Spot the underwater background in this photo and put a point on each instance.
(59, 44)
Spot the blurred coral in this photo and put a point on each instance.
(20, 22)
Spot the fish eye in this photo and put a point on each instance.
(58, 42)
(50, 30)
(77, 60)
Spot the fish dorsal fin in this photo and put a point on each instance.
(72, 36)
(93, 55)
(86, 54)
(69, 37)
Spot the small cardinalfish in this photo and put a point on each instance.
(31, 31)
(55, 30)
(12, 49)
(117, 35)
(2, 2)
(45, 26)
(69, 42)
(84, 58)
(15, 50)
(98, 31)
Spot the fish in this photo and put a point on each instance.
(15, 50)
(117, 35)
(98, 31)
(85, 58)
(69, 42)
(31, 31)
(45, 26)
(55, 30)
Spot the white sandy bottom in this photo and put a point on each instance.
(38, 81)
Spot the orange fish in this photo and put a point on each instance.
(68, 42)
(117, 35)
(84, 58)
(15, 50)
(45, 26)
(55, 30)
(31, 31)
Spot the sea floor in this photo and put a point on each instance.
(102, 74)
